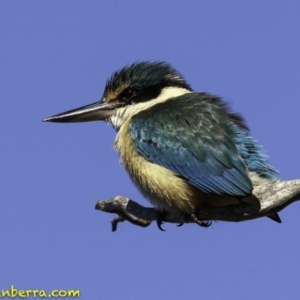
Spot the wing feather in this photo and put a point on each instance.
(194, 139)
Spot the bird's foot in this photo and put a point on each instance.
(160, 219)
(200, 222)
(161, 215)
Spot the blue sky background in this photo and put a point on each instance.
(56, 55)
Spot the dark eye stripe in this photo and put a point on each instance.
(135, 95)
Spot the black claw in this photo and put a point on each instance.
(159, 225)
(160, 218)
(179, 225)
(205, 224)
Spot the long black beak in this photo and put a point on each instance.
(92, 112)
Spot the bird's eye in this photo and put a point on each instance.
(127, 94)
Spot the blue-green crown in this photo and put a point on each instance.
(140, 75)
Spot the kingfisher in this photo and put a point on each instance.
(183, 150)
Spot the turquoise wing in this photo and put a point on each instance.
(194, 139)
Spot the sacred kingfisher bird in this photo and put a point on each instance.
(183, 150)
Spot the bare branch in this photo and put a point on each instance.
(273, 197)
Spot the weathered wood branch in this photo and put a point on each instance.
(273, 197)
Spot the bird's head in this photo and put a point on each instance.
(129, 91)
